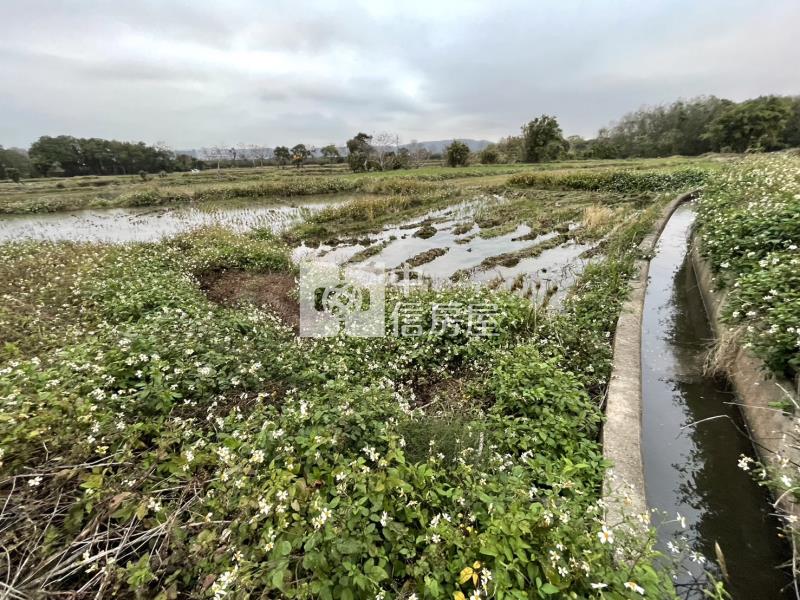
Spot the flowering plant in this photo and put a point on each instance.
(156, 443)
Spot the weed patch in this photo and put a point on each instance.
(165, 433)
(750, 230)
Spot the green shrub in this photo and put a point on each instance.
(13, 174)
(489, 155)
(457, 154)
(626, 182)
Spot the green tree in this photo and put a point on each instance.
(791, 133)
(489, 155)
(95, 156)
(756, 124)
(456, 154)
(330, 152)
(399, 160)
(63, 151)
(577, 146)
(15, 158)
(662, 130)
(299, 154)
(13, 174)
(542, 140)
(602, 147)
(282, 155)
(187, 162)
(509, 149)
(359, 151)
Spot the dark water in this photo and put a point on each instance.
(693, 471)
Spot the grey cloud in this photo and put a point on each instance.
(197, 73)
(357, 93)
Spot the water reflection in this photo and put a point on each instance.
(547, 277)
(146, 224)
(692, 469)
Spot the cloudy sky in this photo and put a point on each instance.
(271, 72)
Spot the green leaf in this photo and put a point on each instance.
(349, 546)
(283, 548)
(277, 579)
(548, 588)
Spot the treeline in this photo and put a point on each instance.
(700, 125)
(685, 127)
(65, 155)
(383, 152)
(542, 140)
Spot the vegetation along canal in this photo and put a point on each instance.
(692, 439)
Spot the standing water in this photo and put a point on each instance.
(691, 466)
(152, 223)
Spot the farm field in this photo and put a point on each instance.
(72, 193)
(381, 301)
(166, 431)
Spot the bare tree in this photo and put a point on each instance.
(417, 153)
(330, 152)
(244, 151)
(261, 153)
(213, 154)
(164, 147)
(383, 144)
(233, 152)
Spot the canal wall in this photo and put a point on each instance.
(624, 488)
(758, 390)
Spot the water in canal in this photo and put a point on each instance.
(692, 470)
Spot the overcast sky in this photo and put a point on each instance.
(201, 73)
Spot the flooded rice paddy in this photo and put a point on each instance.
(447, 245)
(441, 246)
(149, 224)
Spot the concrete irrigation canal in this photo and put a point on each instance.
(692, 435)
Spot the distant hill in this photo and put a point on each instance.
(433, 146)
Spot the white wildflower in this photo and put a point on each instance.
(631, 585)
(605, 535)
